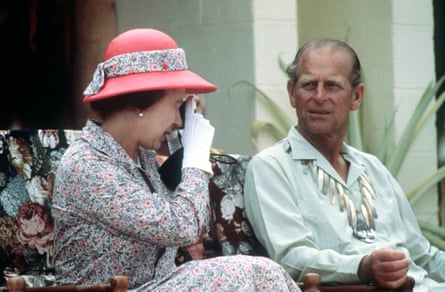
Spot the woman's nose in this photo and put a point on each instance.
(179, 121)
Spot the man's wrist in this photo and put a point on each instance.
(364, 273)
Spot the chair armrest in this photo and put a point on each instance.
(311, 283)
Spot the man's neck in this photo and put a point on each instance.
(330, 147)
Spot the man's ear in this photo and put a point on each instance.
(291, 93)
(357, 96)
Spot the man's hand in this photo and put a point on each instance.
(387, 268)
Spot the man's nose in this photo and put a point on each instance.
(320, 93)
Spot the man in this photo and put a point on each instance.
(320, 205)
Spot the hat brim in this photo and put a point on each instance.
(149, 81)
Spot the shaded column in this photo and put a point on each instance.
(94, 26)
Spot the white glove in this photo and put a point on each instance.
(197, 139)
(174, 141)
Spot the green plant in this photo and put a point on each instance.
(279, 130)
(427, 106)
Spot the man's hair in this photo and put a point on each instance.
(334, 44)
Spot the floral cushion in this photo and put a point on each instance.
(28, 160)
(230, 226)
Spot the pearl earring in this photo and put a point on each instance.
(141, 114)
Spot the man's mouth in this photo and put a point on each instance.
(319, 112)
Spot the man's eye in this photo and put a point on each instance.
(309, 85)
(332, 86)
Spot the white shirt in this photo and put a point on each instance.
(305, 232)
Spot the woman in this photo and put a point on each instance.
(113, 214)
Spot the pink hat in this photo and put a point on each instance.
(143, 60)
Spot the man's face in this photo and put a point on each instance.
(323, 95)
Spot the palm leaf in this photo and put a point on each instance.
(418, 192)
(382, 152)
(434, 239)
(439, 231)
(282, 64)
(433, 109)
(399, 154)
(261, 126)
(284, 122)
(354, 131)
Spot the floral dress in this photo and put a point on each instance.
(113, 216)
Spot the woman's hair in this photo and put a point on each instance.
(354, 75)
(140, 100)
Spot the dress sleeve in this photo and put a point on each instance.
(118, 199)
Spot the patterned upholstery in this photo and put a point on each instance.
(230, 231)
(230, 225)
(28, 160)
